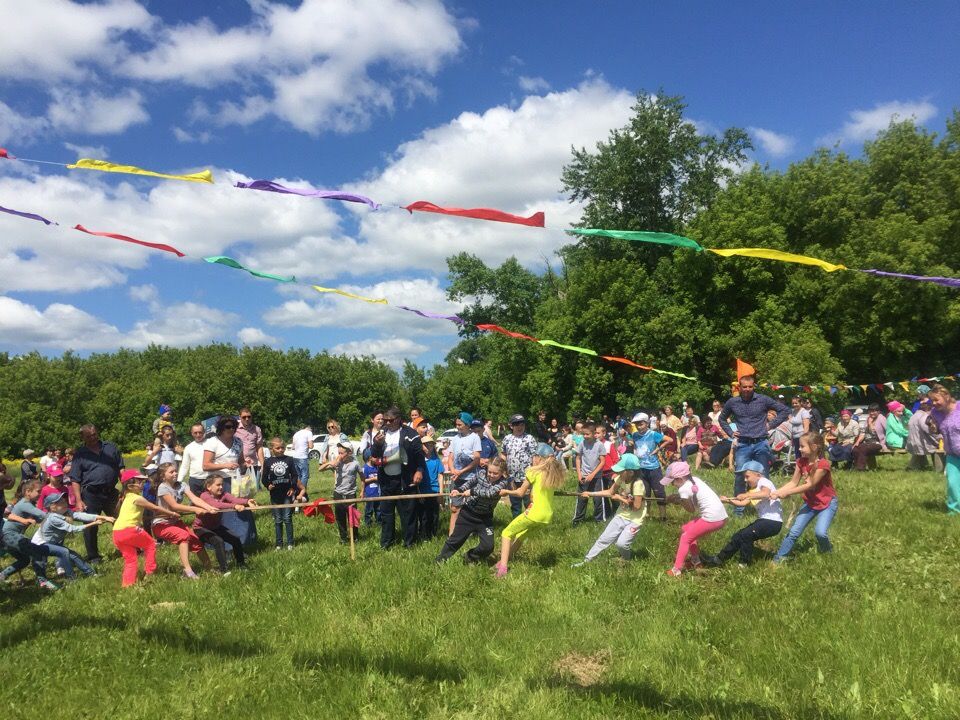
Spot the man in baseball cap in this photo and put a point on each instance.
(518, 449)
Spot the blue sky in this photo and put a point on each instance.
(469, 104)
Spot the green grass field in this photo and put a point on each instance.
(868, 631)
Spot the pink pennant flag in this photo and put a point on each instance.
(535, 220)
(125, 238)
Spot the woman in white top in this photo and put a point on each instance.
(799, 423)
(223, 457)
(769, 520)
(328, 448)
(695, 496)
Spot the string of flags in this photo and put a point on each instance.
(537, 219)
(865, 388)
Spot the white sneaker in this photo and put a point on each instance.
(289, 547)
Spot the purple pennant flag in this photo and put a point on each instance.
(432, 316)
(945, 281)
(29, 216)
(270, 186)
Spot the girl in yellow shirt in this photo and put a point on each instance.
(544, 477)
(128, 533)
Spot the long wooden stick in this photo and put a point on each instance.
(342, 501)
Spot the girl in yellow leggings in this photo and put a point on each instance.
(542, 478)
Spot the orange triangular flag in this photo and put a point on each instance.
(744, 369)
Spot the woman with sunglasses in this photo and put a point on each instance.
(223, 457)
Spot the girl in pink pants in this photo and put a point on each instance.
(695, 496)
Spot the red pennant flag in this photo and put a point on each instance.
(744, 369)
(535, 220)
(5, 154)
(315, 507)
(631, 363)
(155, 246)
(509, 333)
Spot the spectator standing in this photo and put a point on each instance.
(251, 440)
(96, 469)
(191, 472)
(223, 457)
(399, 453)
(540, 429)
(300, 454)
(922, 444)
(946, 413)
(816, 417)
(799, 424)
(28, 468)
(518, 449)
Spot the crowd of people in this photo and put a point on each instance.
(407, 475)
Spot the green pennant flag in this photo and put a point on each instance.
(641, 236)
(552, 343)
(230, 262)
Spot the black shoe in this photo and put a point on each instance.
(94, 560)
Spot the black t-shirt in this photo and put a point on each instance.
(281, 472)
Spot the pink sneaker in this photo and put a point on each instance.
(673, 572)
(501, 571)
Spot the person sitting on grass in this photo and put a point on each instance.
(813, 479)
(769, 520)
(694, 496)
(53, 531)
(209, 527)
(128, 533)
(627, 489)
(170, 494)
(481, 494)
(24, 514)
(542, 478)
(283, 481)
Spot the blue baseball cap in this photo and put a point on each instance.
(628, 461)
(752, 466)
(544, 450)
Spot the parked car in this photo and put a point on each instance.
(450, 434)
(318, 440)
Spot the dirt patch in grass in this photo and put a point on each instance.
(583, 670)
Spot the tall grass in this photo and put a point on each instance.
(867, 631)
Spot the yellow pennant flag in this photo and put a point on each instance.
(375, 301)
(864, 389)
(88, 164)
(905, 385)
(768, 254)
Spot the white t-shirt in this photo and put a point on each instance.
(796, 422)
(768, 509)
(301, 442)
(222, 455)
(708, 502)
(463, 447)
(392, 462)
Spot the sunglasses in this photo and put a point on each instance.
(246, 417)
(229, 427)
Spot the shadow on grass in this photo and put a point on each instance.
(410, 668)
(184, 639)
(38, 626)
(934, 506)
(647, 696)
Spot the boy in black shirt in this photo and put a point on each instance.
(280, 477)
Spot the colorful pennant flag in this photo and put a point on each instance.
(945, 281)
(5, 154)
(574, 348)
(625, 361)
(744, 369)
(508, 333)
(270, 186)
(767, 254)
(640, 236)
(375, 301)
(125, 238)
(230, 262)
(432, 315)
(29, 216)
(535, 220)
(204, 176)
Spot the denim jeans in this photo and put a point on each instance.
(283, 518)
(804, 517)
(67, 559)
(303, 471)
(759, 451)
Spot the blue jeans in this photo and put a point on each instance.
(67, 559)
(759, 451)
(303, 471)
(283, 518)
(824, 518)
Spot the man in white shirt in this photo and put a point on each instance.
(191, 467)
(302, 445)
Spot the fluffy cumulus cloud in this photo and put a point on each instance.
(63, 326)
(255, 336)
(391, 350)
(532, 84)
(95, 114)
(14, 125)
(773, 144)
(199, 220)
(865, 124)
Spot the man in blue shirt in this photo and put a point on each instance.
(96, 469)
(750, 411)
(646, 444)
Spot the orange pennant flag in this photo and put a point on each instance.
(744, 369)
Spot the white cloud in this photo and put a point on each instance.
(22, 128)
(96, 114)
(63, 326)
(185, 136)
(774, 144)
(506, 158)
(255, 336)
(146, 294)
(532, 84)
(314, 310)
(53, 39)
(865, 124)
(328, 63)
(392, 350)
(88, 151)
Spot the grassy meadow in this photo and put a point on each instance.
(870, 630)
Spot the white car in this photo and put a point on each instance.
(450, 434)
(318, 440)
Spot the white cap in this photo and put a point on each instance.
(641, 417)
